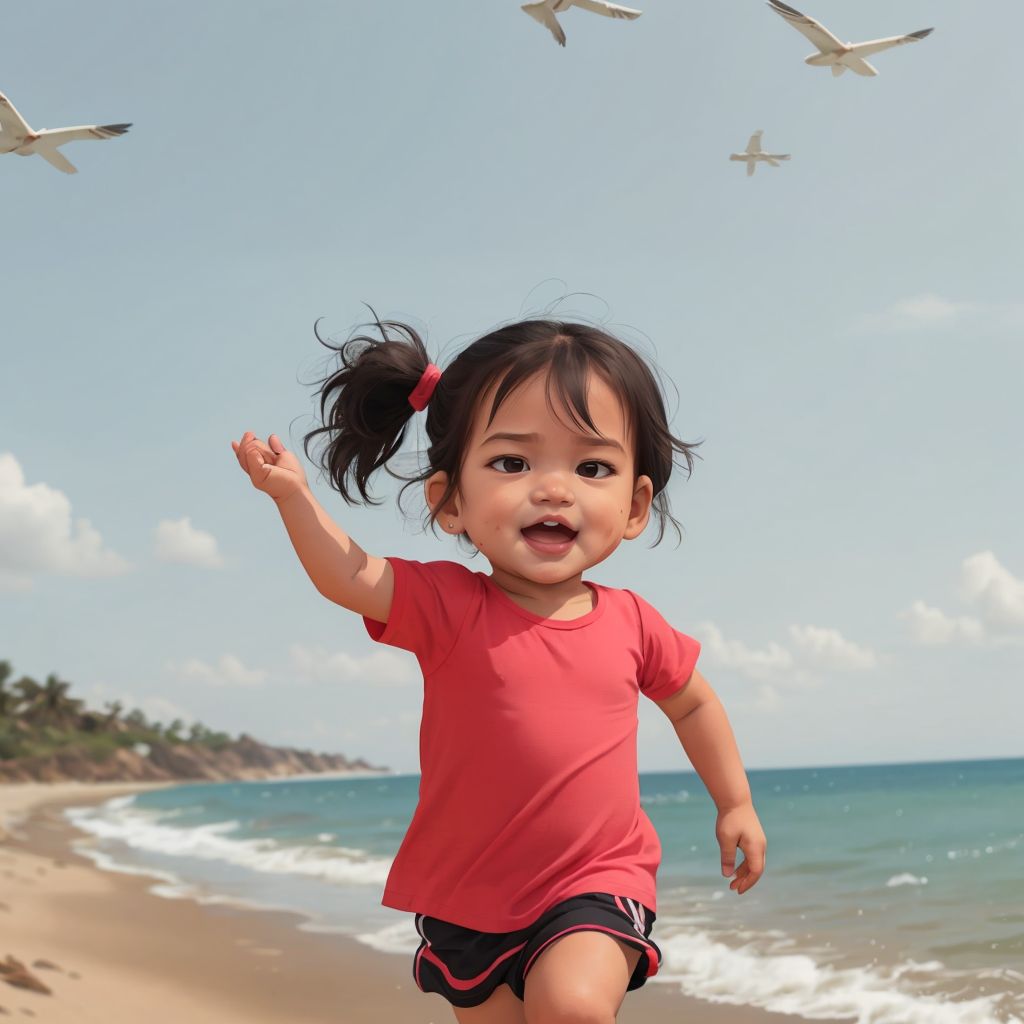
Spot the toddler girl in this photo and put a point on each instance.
(529, 863)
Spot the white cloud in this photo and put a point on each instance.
(998, 594)
(997, 597)
(932, 627)
(828, 649)
(179, 541)
(918, 311)
(227, 671)
(37, 534)
(813, 651)
(378, 668)
(768, 662)
(933, 311)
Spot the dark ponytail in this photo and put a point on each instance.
(367, 421)
(366, 424)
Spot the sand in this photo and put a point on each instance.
(122, 955)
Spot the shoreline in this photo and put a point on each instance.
(137, 954)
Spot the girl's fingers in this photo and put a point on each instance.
(745, 879)
(254, 455)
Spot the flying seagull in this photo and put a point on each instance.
(754, 154)
(544, 11)
(835, 54)
(17, 137)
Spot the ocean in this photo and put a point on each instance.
(893, 894)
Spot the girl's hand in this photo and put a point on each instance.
(271, 468)
(738, 826)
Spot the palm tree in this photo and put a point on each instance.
(172, 731)
(49, 704)
(137, 720)
(114, 709)
(28, 691)
(6, 696)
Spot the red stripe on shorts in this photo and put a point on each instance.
(458, 983)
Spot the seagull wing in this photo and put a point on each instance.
(542, 12)
(58, 136)
(751, 167)
(11, 122)
(754, 145)
(858, 65)
(607, 9)
(814, 30)
(53, 156)
(877, 45)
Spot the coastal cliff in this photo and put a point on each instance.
(48, 736)
(244, 758)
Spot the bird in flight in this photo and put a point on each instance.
(755, 155)
(832, 52)
(544, 11)
(17, 137)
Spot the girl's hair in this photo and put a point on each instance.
(367, 421)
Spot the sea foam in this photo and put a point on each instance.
(795, 983)
(142, 829)
(906, 879)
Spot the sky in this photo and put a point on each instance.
(842, 333)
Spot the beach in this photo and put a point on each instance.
(119, 953)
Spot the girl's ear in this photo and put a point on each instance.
(448, 516)
(639, 508)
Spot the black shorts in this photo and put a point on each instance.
(466, 966)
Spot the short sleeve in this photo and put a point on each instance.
(669, 656)
(429, 605)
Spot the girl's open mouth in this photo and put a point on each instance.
(553, 539)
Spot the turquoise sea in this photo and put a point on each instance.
(893, 894)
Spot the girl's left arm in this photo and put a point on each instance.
(703, 729)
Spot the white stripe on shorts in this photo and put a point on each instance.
(637, 919)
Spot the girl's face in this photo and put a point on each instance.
(533, 465)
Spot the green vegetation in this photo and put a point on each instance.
(41, 719)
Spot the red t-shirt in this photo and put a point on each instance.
(529, 791)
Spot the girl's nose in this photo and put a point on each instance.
(553, 487)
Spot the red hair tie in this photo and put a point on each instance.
(420, 395)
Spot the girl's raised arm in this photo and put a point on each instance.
(339, 568)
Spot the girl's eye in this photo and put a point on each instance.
(594, 470)
(512, 464)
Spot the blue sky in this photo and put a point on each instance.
(844, 333)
